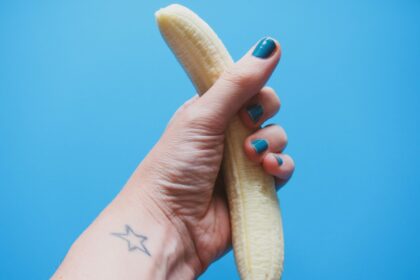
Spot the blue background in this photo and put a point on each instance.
(87, 87)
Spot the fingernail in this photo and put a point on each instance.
(264, 48)
(259, 145)
(279, 160)
(255, 112)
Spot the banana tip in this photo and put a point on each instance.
(173, 8)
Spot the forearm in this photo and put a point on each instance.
(131, 239)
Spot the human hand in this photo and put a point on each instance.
(179, 177)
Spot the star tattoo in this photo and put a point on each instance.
(134, 241)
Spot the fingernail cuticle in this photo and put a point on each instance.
(255, 112)
(260, 145)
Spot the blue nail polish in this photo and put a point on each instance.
(255, 112)
(279, 160)
(260, 145)
(264, 48)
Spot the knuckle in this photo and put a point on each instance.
(290, 166)
(292, 163)
(240, 77)
(184, 106)
(281, 134)
(272, 98)
(284, 137)
(268, 90)
(276, 102)
(191, 115)
(201, 118)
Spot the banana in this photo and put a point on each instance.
(257, 231)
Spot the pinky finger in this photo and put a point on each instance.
(281, 166)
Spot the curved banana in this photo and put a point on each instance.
(257, 231)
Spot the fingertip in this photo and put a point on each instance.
(252, 115)
(271, 164)
(256, 148)
(278, 165)
(279, 49)
(266, 48)
(260, 108)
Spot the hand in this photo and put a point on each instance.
(180, 175)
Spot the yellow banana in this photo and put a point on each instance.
(257, 231)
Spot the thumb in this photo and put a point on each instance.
(242, 81)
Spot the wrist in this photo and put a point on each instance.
(132, 239)
(174, 252)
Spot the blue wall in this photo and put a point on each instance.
(87, 87)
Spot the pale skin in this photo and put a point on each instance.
(170, 220)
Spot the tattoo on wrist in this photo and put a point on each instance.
(134, 240)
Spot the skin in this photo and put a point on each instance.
(175, 198)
